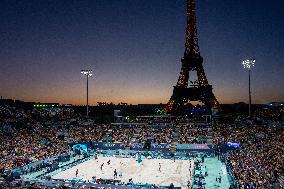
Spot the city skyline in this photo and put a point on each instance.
(134, 49)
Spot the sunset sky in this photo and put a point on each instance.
(134, 48)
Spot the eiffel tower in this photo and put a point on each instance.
(198, 90)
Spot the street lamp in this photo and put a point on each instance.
(248, 64)
(87, 73)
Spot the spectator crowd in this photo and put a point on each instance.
(159, 135)
(259, 160)
(190, 134)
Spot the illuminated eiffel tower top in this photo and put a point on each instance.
(191, 41)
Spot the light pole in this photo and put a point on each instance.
(248, 64)
(87, 73)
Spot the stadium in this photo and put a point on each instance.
(55, 147)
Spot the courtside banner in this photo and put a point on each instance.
(160, 147)
(108, 146)
(192, 147)
(154, 147)
(137, 146)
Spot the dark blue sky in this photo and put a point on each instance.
(135, 47)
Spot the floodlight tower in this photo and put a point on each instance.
(248, 64)
(87, 73)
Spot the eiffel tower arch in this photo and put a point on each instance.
(192, 61)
